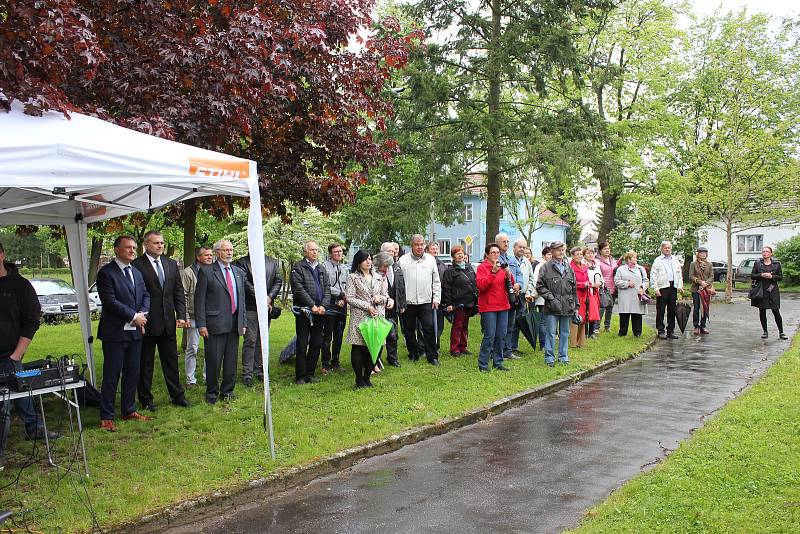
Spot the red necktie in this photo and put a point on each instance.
(230, 288)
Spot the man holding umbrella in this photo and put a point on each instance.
(666, 279)
(701, 274)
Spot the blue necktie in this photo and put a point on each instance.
(129, 279)
(160, 273)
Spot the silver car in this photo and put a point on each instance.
(57, 298)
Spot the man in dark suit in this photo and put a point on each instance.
(126, 303)
(219, 308)
(397, 292)
(251, 348)
(162, 279)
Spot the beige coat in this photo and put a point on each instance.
(360, 294)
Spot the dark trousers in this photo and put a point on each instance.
(424, 314)
(167, 345)
(251, 348)
(776, 313)
(667, 301)
(635, 319)
(362, 364)
(309, 343)
(605, 313)
(391, 339)
(460, 331)
(222, 351)
(697, 312)
(120, 357)
(23, 407)
(332, 334)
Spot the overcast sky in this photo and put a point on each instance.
(781, 8)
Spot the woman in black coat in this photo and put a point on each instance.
(459, 297)
(764, 294)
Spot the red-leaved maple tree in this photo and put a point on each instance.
(272, 80)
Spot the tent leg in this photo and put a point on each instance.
(78, 263)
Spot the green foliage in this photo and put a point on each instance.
(44, 248)
(788, 252)
(739, 473)
(214, 448)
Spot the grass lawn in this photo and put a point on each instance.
(186, 452)
(739, 473)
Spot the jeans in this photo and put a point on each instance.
(495, 328)
(23, 406)
(512, 338)
(697, 309)
(556, 324)
(538, 317)
(190, 356)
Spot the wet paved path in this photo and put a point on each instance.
(538, 467)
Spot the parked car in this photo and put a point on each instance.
(720, 271)
(743, 272)
(94, 296)
(57, 298)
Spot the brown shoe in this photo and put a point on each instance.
(108, 424)
(704, 331)
(697, 331)
(137, 416)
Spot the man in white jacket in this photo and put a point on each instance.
(423, 294)
(666, 277)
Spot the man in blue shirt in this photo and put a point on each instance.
(504, 243)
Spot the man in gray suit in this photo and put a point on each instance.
(220, 316)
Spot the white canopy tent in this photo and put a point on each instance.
(72, 172)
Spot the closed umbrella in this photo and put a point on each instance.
(289, 350)
(683, 309)
(705, 300)
(527, 327)
(374, 331)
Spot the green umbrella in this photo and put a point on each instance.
(374, 330)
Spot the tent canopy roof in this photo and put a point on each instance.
(53, 169)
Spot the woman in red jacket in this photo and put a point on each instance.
(577, 333)
(494, 281)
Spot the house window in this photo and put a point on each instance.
(468, 212)
(467, 248)
(444, 246)
(749, 243)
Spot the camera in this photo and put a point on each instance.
(503, 265)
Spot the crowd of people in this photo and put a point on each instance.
(147, 299)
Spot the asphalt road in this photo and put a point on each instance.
(538, 467)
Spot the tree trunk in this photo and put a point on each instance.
(493, 177)
(729, 249)
(189, 230)
(94, 258)
(608, 215)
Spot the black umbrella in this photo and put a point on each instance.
(682, 310)
(525, 323)
(289, 350)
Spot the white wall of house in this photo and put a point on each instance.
(746, 243)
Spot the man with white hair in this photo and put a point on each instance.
(526, 269)
(504, 242)
(423, 294)
(310, 292)
(397, 292)
(666, 277)
(220, 315)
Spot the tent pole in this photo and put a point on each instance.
(78, 264)
(255, 242)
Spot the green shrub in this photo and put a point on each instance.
(788, 252)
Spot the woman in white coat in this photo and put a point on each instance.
(631, 282)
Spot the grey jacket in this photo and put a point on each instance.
(337, 278)
(559, 291)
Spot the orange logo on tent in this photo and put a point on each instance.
(220, 168)
(94, 210)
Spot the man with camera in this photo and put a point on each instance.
(509, 261)
(558, 287)
(336, 309)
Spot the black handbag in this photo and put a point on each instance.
(756, 291)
